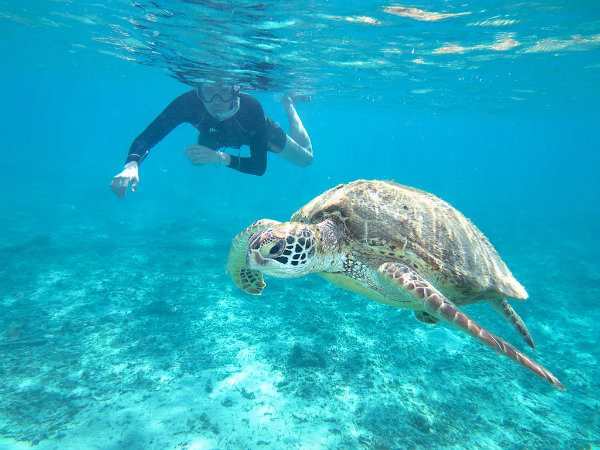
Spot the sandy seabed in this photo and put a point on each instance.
(160, 350)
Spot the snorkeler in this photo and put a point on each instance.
(224, 117)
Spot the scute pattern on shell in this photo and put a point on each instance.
(383, 221)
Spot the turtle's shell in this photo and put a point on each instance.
(385, 221)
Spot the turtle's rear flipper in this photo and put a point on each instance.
(506, 311)
(426, 297)
(247, 279)
(422, 316)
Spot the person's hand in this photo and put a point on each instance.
(129, 176)
(199, 154)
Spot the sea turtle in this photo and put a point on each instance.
(395, 244)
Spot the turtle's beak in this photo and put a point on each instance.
(254, 259)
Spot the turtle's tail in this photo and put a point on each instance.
(449, 313)
(506, 311)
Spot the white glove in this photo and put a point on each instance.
(129, 176)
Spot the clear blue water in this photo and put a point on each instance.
(118, 325)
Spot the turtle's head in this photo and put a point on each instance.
(286, 250)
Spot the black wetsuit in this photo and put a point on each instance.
(249, 126)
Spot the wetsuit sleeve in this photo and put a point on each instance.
(175, 114)
(256, 163)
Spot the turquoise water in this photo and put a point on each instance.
(118, 325)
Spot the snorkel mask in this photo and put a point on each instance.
(212, 92)
(221, 100)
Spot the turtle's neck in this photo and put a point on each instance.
(329, 237)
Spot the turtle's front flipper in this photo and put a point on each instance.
(398, 276)
(506, 311)
(247, 279)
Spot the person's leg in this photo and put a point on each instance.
(297, 131)
(295, 153)
(296, 148)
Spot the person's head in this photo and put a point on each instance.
(220, 99)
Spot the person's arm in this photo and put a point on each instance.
(255, 164)
(175, 114)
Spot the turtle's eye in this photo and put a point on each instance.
(273, 248)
